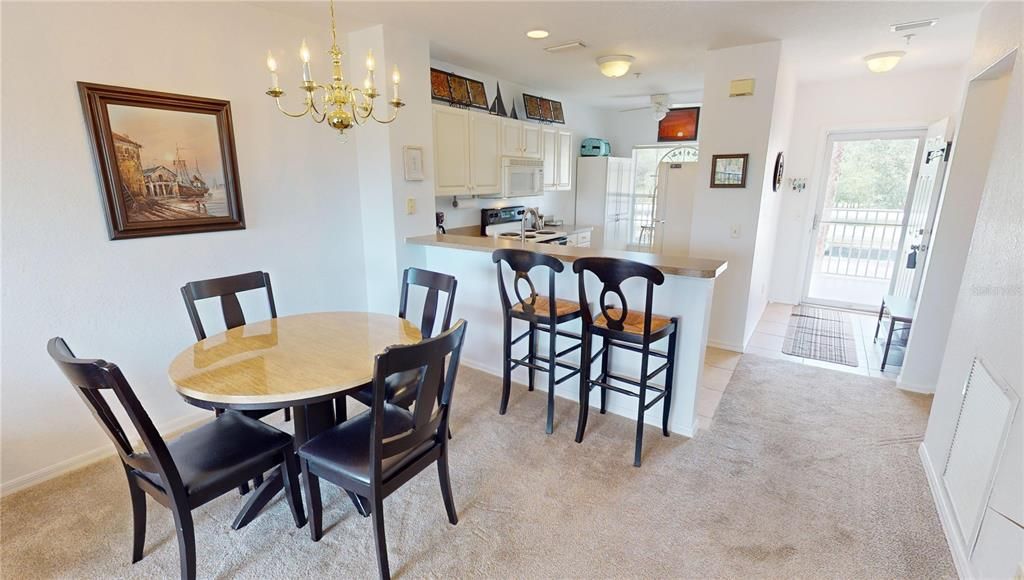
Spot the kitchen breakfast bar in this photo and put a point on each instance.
(686, 293)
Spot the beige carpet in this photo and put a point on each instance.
(806, 473)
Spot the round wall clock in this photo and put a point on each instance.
(779, 163)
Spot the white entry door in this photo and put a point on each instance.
(921, 213)
(866, 190)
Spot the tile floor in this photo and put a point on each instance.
(767, 341)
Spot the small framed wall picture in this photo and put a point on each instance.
(412, 162)
(729, 170)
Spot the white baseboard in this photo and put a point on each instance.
(725, 345)
(169, 429)
(945, 510)
(915, 388)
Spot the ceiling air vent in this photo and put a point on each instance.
(566, 46)
(913, 25)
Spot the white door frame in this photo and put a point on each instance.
(920, 133)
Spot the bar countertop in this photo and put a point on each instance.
(465, 239)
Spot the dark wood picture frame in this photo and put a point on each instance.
(95, 100)
(670, 123)
(477, 94)
(716, 182)
(541, 109)
(460, 90)
(439, 87)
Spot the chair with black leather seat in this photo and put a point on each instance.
(631, 330)
(375, 453)
(188, 471)
(399, 387)
(543, 314)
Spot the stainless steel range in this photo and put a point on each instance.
(507, 223)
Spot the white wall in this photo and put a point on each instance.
(988, 318)
(734, 125)
(584, 121)
(119, 299)
(866, 102)
(771, 201)
(383, 189)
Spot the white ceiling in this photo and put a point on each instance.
(822, 39)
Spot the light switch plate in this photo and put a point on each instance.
(410, 206)
(734, 231)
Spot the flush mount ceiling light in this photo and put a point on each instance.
(881, 62)
(537, 34)
(615, 65)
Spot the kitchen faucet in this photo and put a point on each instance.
(530, 211)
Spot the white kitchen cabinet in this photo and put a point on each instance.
(484, 155)
(519, 139)
(604, 190)
(563, 167)
(549, 151)
(532, 144)
(467, 152)
(511, 138)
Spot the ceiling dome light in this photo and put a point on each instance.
(615, 65)
(881, 62)
(537, 34)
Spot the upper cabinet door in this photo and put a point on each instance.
(511, 138)
(484, 154)
(549, 147)
(565, 161)
(451, 151)
(532, 144)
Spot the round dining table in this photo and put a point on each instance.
(306, 362)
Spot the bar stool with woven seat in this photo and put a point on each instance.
(631, 330)
(543, 314)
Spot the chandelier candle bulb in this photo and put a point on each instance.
(371, 64)
(304, 54)
(272, 65)
(395, 78)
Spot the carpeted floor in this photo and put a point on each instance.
(806, 473)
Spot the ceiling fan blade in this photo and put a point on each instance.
(635, 109)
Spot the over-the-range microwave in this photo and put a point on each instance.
(521, 177)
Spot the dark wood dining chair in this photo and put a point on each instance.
(227, 289)
(188, 471)
(542, 314)
(399, 387)
(375, 453)
(625, 329)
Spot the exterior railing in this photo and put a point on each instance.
(859, 242)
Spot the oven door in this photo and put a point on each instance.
(520, 181)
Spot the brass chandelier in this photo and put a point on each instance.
(343, 104)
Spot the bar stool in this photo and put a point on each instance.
(544, 314)
(635, 331)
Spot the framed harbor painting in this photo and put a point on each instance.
(166, 162)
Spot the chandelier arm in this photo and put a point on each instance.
(293, 115)
(385, 122)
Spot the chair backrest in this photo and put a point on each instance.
(227, 289)
(612, 272)
(90, 377)
(433, 392)
(521, 262)
(435, 283)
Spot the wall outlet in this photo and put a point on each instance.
(410, 206)
(734, 231)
